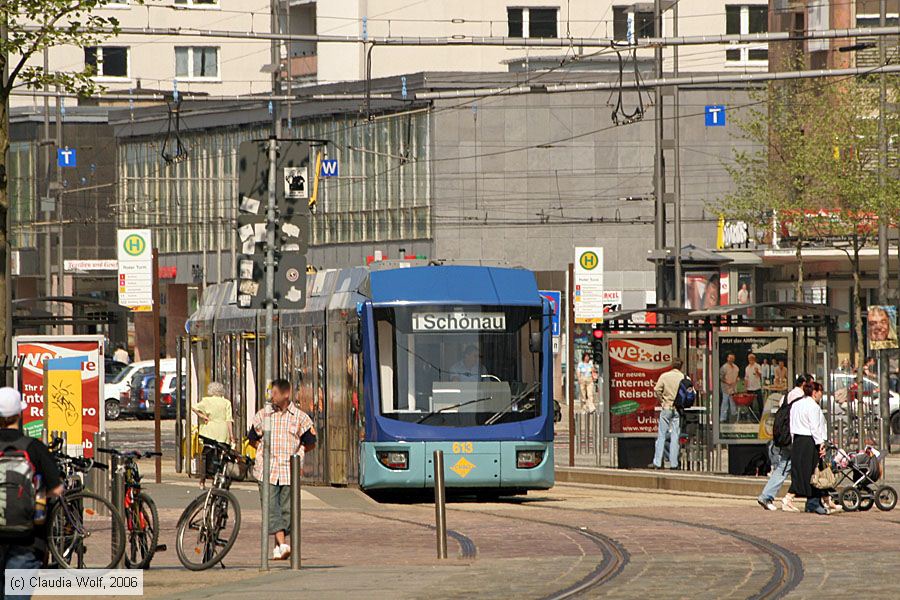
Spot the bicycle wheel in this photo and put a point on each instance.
(143, 532)
(207, 529)
(85, 532)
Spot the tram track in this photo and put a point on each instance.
(467, 547)
(614, 556)
(787, 566)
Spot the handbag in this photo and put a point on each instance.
(823, 477)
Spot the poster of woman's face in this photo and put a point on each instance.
(701, 290)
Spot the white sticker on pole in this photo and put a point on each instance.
(135, 255)
(588, 296)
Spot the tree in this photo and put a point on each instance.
(815, 172)
(27, 28)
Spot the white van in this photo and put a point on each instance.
(113, 391)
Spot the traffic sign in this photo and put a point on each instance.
(715, 115)
(135, 257)
(588, 293)
(329, 168)
(66, 157)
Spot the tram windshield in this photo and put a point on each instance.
(459, 366)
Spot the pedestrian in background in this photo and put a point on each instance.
(291, 432)
(586, 372)
(24, 549)
(809, 432)
(780, 457)
(121, 354)
(216, 425)
(666, 390)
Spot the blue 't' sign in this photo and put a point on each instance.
(329, 168)
(555, 298)
(715, 115)
(65, 157)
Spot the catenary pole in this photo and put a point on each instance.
(676, 160)
(659, 174)
(884, 296)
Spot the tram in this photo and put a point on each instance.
(394, 362)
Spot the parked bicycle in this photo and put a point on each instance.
(85, 531)
(141, 516)
(208, 527)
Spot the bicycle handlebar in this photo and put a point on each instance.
(131, 454)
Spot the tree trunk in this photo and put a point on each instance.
(798, 291)
(860, 345)
(4, 242)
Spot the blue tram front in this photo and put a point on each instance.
(394, 363)
(456, 358)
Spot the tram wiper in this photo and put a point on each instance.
(499, 415)
(452, 406)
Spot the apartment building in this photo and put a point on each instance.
(611, 19)
(214, 66)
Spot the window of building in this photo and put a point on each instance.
(196, 62)
(198, 3)
(531, 22)
(742, 19)
(630, 24)
(108, 61)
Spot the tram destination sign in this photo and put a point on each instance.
(458, 321)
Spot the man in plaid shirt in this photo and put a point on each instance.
(292, 432)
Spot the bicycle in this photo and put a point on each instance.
(141, 516)
(208, 527)
(78, 516)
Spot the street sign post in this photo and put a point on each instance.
(66, 157)
(715, 115)
(289, 223)
(135, 258)
(588, 296)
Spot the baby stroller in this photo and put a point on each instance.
(858, 474)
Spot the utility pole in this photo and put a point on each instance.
(60, 274)
(883, 217)
(659, 172)
(48, 232)
(676, 150)
(270, 288)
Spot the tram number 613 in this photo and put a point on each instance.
(462, 447)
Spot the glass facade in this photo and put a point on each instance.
(22, 201)
(382, 192)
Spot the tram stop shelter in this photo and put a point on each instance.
(742, 359)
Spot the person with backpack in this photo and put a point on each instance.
(26, 470)
(673, 395)
(780, 450)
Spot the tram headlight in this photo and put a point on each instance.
(393, 459)
(529, 459)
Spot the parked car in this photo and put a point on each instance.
(111, 369)
(115, 391)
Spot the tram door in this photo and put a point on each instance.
(339, 402)
(311, 368)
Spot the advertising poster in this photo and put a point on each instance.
(63, 400)
(882, 327)
(751, 376)
(33, 351)
(635, 363)
(701, 290)
(745, 285)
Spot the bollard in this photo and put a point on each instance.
(118, 498)
(440, 508)
(296, 472)
(264, 495)
(179, 406)
(45, 436)
(65, 442)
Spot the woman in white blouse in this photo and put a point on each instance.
(809, 433)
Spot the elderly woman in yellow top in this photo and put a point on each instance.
(214, 412)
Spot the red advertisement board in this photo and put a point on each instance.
(635, 363)
(33, 350)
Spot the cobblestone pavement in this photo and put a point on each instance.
(600, 542)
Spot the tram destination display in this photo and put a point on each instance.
(635, 364)
(458, 321)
